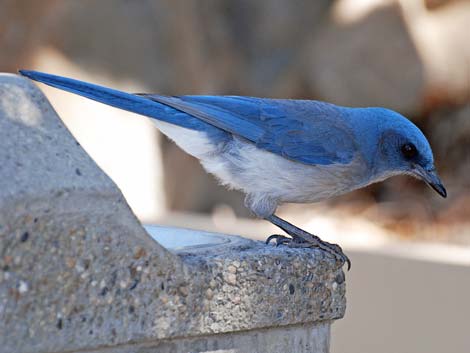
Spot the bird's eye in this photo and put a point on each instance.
(408, 150)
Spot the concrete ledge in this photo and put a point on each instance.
(78, 272)
(306, 338)
(246, 284)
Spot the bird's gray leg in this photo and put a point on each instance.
(301, 238)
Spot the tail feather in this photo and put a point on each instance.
(168, 109)
(109, 96)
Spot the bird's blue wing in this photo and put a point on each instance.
(228, 120)
(309, 132)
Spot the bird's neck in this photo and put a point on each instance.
(365, 127)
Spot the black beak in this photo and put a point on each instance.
(431, 178)
(440, 189)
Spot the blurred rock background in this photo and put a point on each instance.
(410, 55)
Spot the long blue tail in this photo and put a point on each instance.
(109, 96)
(169, 109)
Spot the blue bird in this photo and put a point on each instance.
(280, 150)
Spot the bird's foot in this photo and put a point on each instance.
(312, 241)
(295, 242)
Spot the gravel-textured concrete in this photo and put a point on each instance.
(77, 270)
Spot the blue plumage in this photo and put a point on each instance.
(280, 150)
(296, 129)
(300, 130)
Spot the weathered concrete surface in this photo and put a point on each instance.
(70, 248)
(307, 338)
(78, 272)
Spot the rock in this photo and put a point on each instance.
(396, 54)
(369, 61)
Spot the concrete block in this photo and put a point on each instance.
(79, 273)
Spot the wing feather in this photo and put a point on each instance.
(308, 132)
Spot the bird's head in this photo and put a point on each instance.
(401, 148)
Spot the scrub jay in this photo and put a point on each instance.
(280, 150)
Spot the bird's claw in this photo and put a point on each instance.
(336, 250)
(315, 242)
(279, 239)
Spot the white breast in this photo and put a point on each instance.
(267, 178)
